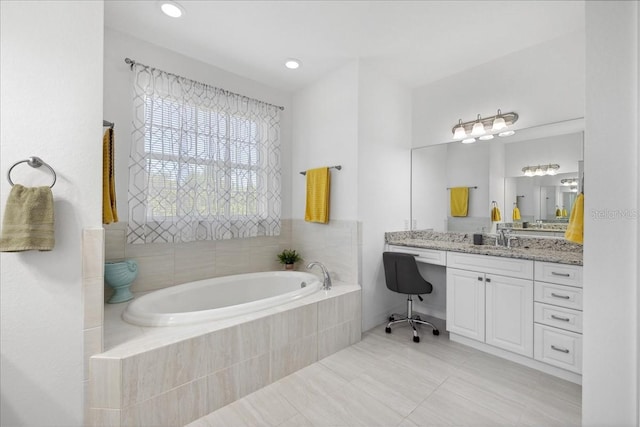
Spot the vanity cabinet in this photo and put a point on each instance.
(490, 299)
(558, 315)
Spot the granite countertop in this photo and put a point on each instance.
(525, 252)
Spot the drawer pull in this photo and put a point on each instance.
(560, 296)
(479, 279)
(564, 319)
(488, 280)
(553, 273)
(560, 349)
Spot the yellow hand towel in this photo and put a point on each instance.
(459, 201)
(516, 214)
(575, 229)
(318, 192)
(28, 220)
(564, 212)
(109, 210)
(495, 214)
(558, 212)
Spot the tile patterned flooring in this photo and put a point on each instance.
(388, 380)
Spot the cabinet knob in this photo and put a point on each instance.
(479, 279)
(487, 280)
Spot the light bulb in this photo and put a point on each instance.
(478, 128)
(539, 171)
(172, 9)
(498, 122)
(459, 132)
(292, 64)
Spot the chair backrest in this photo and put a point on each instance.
(402, 274)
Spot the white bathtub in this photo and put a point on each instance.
(219, 298)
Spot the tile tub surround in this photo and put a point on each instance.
(174, 375)
(537, 249)
(161, 265)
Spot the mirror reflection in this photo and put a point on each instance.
(493, 171)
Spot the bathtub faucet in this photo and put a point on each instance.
(326, 285)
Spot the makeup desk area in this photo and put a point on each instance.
(521, 303)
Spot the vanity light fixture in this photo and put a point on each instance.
(540, 170)
(492, 125)
(569, 181)
(171, 8)
(292, 63)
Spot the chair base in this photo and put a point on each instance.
(411, 320)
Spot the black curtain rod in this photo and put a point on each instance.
(132, 62)
(449, 188)
(106, 123)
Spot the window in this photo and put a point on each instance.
(204, 163)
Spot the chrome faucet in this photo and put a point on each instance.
(326, 284)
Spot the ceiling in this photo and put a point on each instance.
(416, 42)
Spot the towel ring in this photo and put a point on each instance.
(34, 162)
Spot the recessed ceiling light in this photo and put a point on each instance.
(292, 63)
(469, 141)
(171, 8)
(486, 137)
(506, 133)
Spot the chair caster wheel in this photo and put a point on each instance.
(387, 330)
(416, 339)
(436, 332)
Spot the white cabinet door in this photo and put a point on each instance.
(509, 313)
(465, 303)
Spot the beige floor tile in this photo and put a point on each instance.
(388, 380)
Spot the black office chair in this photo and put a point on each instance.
(402, 276)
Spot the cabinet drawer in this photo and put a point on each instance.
(562, 274)
(429, 256)
(563, 296)
(557, 347)
(512, 267)
(560, 317)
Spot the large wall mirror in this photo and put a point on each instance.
(493, 172)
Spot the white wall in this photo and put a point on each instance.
(384, 176)
(51, 106)
(429, 194)
(117, 100)
(325, 133)
(543, 84)
(610, 376)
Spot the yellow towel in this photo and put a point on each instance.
(318, 191)
(459, 201)
(516, 214)
(28, 220)
(558, 212)
(495, 214)
(575, 229)
(564, 212)
(109, 210)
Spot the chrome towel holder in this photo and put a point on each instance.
(34, 162)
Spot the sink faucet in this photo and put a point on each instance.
(326, 284)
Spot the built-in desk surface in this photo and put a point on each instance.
(547, 254)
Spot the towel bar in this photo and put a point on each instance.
(34, 162)
(338, 167)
